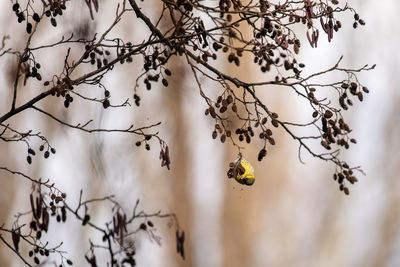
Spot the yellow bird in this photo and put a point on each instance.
(242, 171)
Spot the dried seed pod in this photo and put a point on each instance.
(53, 22)
(234, 108)
(275, 123)
(262, 154)
(341, 178)
(214, 134)
(229, 99)
(346, 190)
(342, 104)
(165, 82)
(271, 141)
(36, 17)
(66, 103)
(99, 63)
(15, 7)
(324, 144)
(29, 28)
(360, 96)
(33, 225)
(212, 113)
(31, 151)
(224, 103)
(296, 49)
(264, 120)
(349, 102)
(21, 17)
(86, 219)
(106, 103)
(328, 114)
(223, 138)
(216, 46)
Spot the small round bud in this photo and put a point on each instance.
(106, 103)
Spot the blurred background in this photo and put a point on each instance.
(294, 215)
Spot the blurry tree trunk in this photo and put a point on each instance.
(177, 181)
(243, 207)
(182, 201)
(9, 183)
(384, 249)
